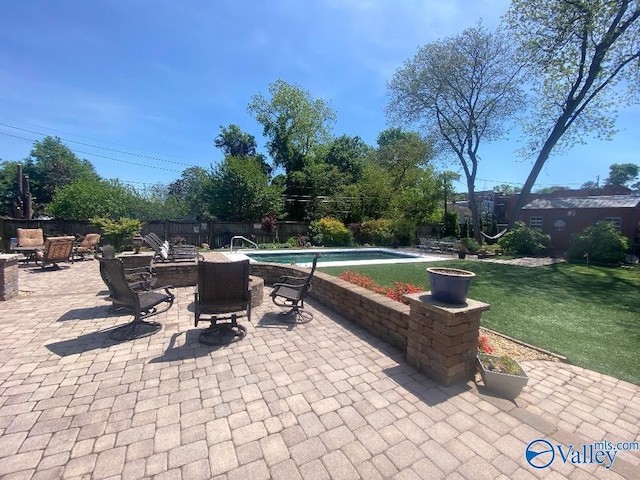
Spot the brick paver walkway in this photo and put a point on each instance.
(319, 400)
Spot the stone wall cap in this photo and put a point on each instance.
(10, 256)
(425, 300)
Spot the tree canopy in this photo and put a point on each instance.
(582, 57)
(460, 90)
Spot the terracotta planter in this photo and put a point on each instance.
(450, 285)
(504, 384)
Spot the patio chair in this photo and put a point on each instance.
(29, 237)
(88, 245)
(141, 304)
(171, 253)
(139, 278)
(56, 249)
(290, 292)
(223, 293)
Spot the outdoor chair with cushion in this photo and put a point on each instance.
(88, 245)
(290, 292)
(142, 304)
(56, 249)
(29, 237)
(223, 293)
(166, 252)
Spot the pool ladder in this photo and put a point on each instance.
(240, 237)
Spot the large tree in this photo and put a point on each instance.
(622, 174)
(236, 143)
(52, 165)
(296, 125)
(582, 57)
(461, 90)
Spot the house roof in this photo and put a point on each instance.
(611, 201)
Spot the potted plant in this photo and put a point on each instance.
(450, 285)
(467, 245)
(502, 375)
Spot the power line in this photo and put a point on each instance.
(99, 147)
(101, 156)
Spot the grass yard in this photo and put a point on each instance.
(591, 315)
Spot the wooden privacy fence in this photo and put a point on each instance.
(216, 234)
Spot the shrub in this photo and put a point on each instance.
(468, 245)
(330, 232)
(525, 241)
(376, 232)
(119, 232)
(602, 242)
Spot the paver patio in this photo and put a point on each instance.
(320, 400)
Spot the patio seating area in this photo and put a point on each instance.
(323, 399)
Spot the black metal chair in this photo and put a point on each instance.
(140, 303)
(223, 293)
(290, 292)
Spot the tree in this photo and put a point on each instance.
(190, 190)
(296, 125)
(461, 90)
(240, 191)
(403, 154)
(51, 165)
(622, 173)
(506, 189)
(577, 53)
(89, 198)
(236, 143)
(294, 122)
(589, 184)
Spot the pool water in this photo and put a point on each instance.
(336, 257)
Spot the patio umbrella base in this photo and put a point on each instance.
(133, 330)
(222, 334)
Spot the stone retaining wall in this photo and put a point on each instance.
(9, 276)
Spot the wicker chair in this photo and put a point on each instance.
(88, 245)
(290, 292)
(223, 293)
(140, 303)
(29, 237)
(56, 249)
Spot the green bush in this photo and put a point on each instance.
(118, 232)
(522, 240)
(468, 245)
(376, 232)
(330, 232)
(602, 242)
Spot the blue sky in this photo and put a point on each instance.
(140, 87)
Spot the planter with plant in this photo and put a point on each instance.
(467, 245)
(502, 374)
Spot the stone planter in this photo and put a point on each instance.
(450, 285)
(507, 385)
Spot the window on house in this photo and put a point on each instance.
(535, 222)
(615, 221)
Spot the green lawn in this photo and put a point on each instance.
(591, 315)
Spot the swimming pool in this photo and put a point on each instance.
(335, 257)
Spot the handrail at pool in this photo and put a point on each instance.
(240, 237)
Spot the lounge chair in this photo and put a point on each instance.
(171, 253)
(56, 249)
(290, 292)
(88, 245)
(223, 293)
(141, 304)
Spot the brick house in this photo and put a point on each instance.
(560, 217)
